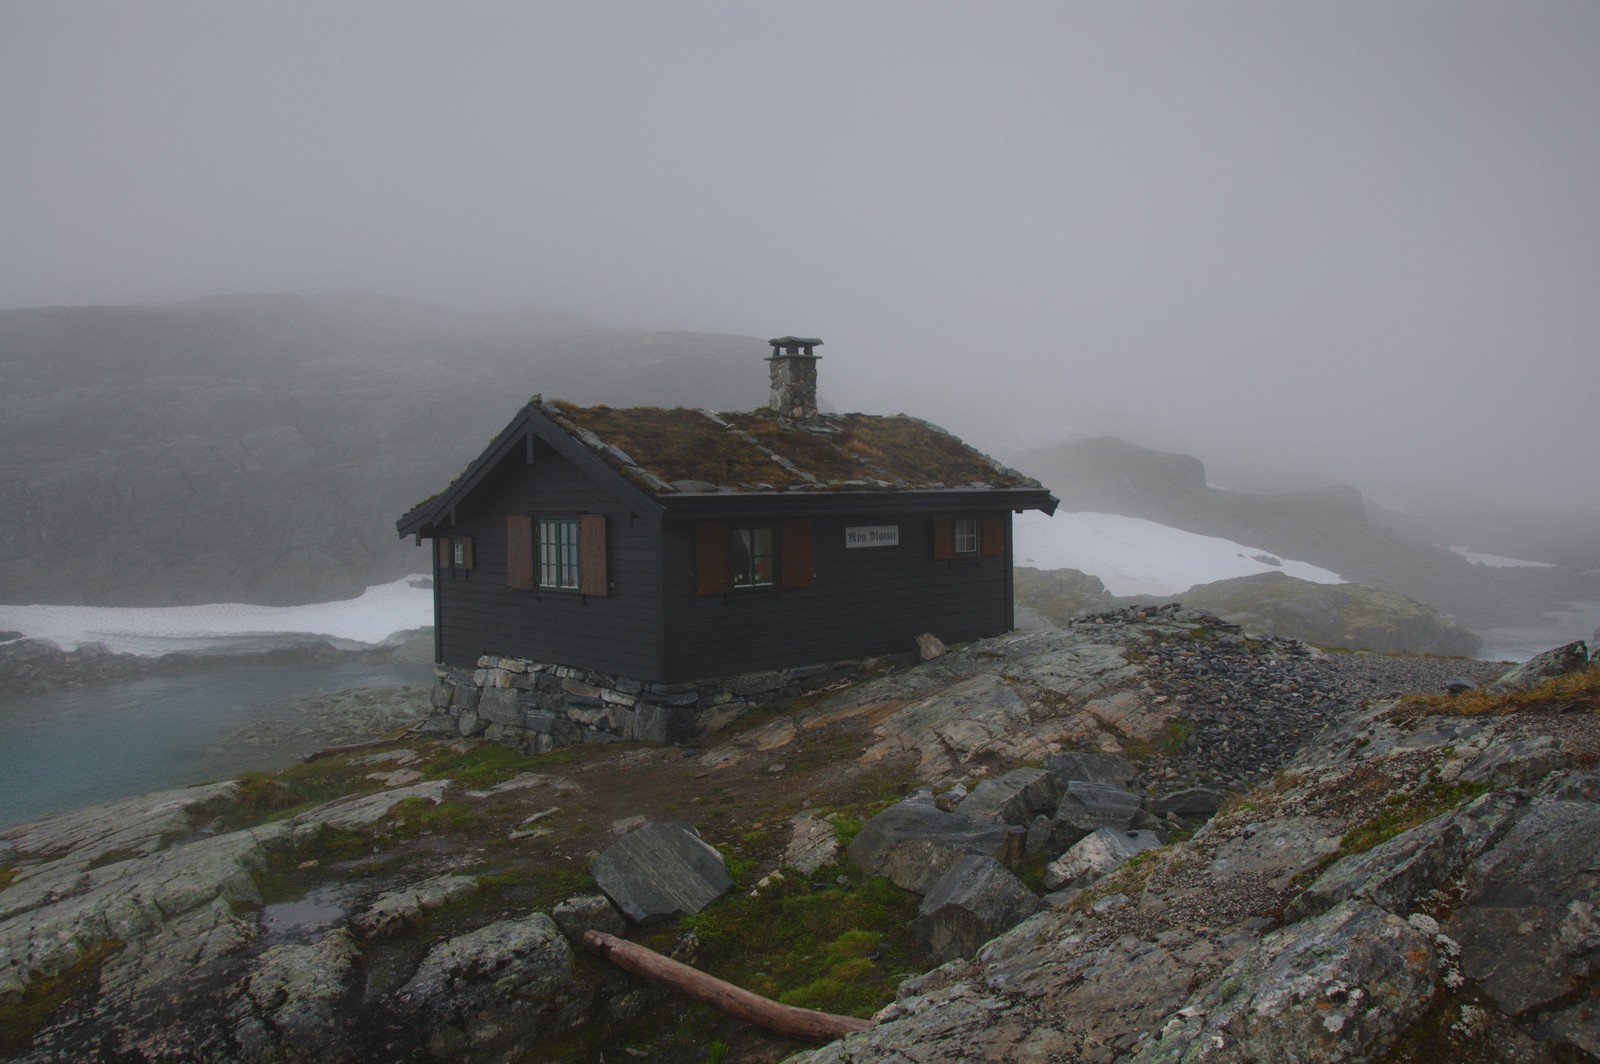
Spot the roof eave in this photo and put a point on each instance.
(529, 419)
(712, 505)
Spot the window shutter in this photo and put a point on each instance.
(991, 534)
(466, 551)
(710, 557)
(592, 555)
(519, 552)
(944, 540)
(794, 560)
(444, 553)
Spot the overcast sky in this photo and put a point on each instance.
(1362, 239)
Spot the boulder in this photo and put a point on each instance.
(1193, 803)
(1077, 766)
(1100, 852)
(589, 912)
(1527, 923)
(661, 870)
(971, 904)
(1541, 667)
(915, 843)
(1015, 798)
(494, 992)
(1087, 806)
(930, 646)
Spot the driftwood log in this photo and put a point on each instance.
(805, 1025)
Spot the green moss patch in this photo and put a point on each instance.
(1404, 811)
(487, 764)
(20, 1021)
(814, 942)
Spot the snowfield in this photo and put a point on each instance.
(1495, 561)
(1132, 556)
(373, 618)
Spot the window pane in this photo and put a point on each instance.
(558, 554)
(750, 557)
(966, 535)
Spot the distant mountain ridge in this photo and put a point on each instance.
(1333, 527)
(257, 447)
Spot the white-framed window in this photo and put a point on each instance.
(964, 536)
(750, 556)
(558, 553)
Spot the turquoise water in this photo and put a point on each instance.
(75, 748)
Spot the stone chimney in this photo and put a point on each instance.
(794, 377)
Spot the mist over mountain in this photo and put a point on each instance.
(1338, 528)
(259, 447)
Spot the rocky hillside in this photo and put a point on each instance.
(259, 448)
(1129, 839)
(1334, 527)
(1346, 616)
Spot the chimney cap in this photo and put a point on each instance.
(795, 341)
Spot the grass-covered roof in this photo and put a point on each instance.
(682, 450)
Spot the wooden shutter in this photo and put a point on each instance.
(466, 551)
(944, 539)
(794, 553)
(519, 552)
(592, 555)
(991, 534)
(444, 553)
(710, 557)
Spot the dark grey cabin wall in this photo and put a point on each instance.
(478, 614)
(864, 600)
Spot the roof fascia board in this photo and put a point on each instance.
(592, 465)
(710, 506)
(428, 513)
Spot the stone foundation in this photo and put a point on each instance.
(536, 707)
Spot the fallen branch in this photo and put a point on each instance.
(806, 1025)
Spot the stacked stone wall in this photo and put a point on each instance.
(536, 706)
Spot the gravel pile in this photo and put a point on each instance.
(1249, 703)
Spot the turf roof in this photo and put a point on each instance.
(669, 451)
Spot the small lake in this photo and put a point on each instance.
(69, 749)
(1578, 620)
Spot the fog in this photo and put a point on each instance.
(1355, 242)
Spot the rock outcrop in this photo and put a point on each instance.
(1363, 874)
(1405, 878)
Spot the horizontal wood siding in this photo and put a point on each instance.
(481, 615)
(864, 600)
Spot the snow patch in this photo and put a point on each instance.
(374, 618)
(1132, 556)
(1495, 561)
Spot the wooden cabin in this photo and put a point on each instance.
(675, 545)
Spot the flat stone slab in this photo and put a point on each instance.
(662, 870)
